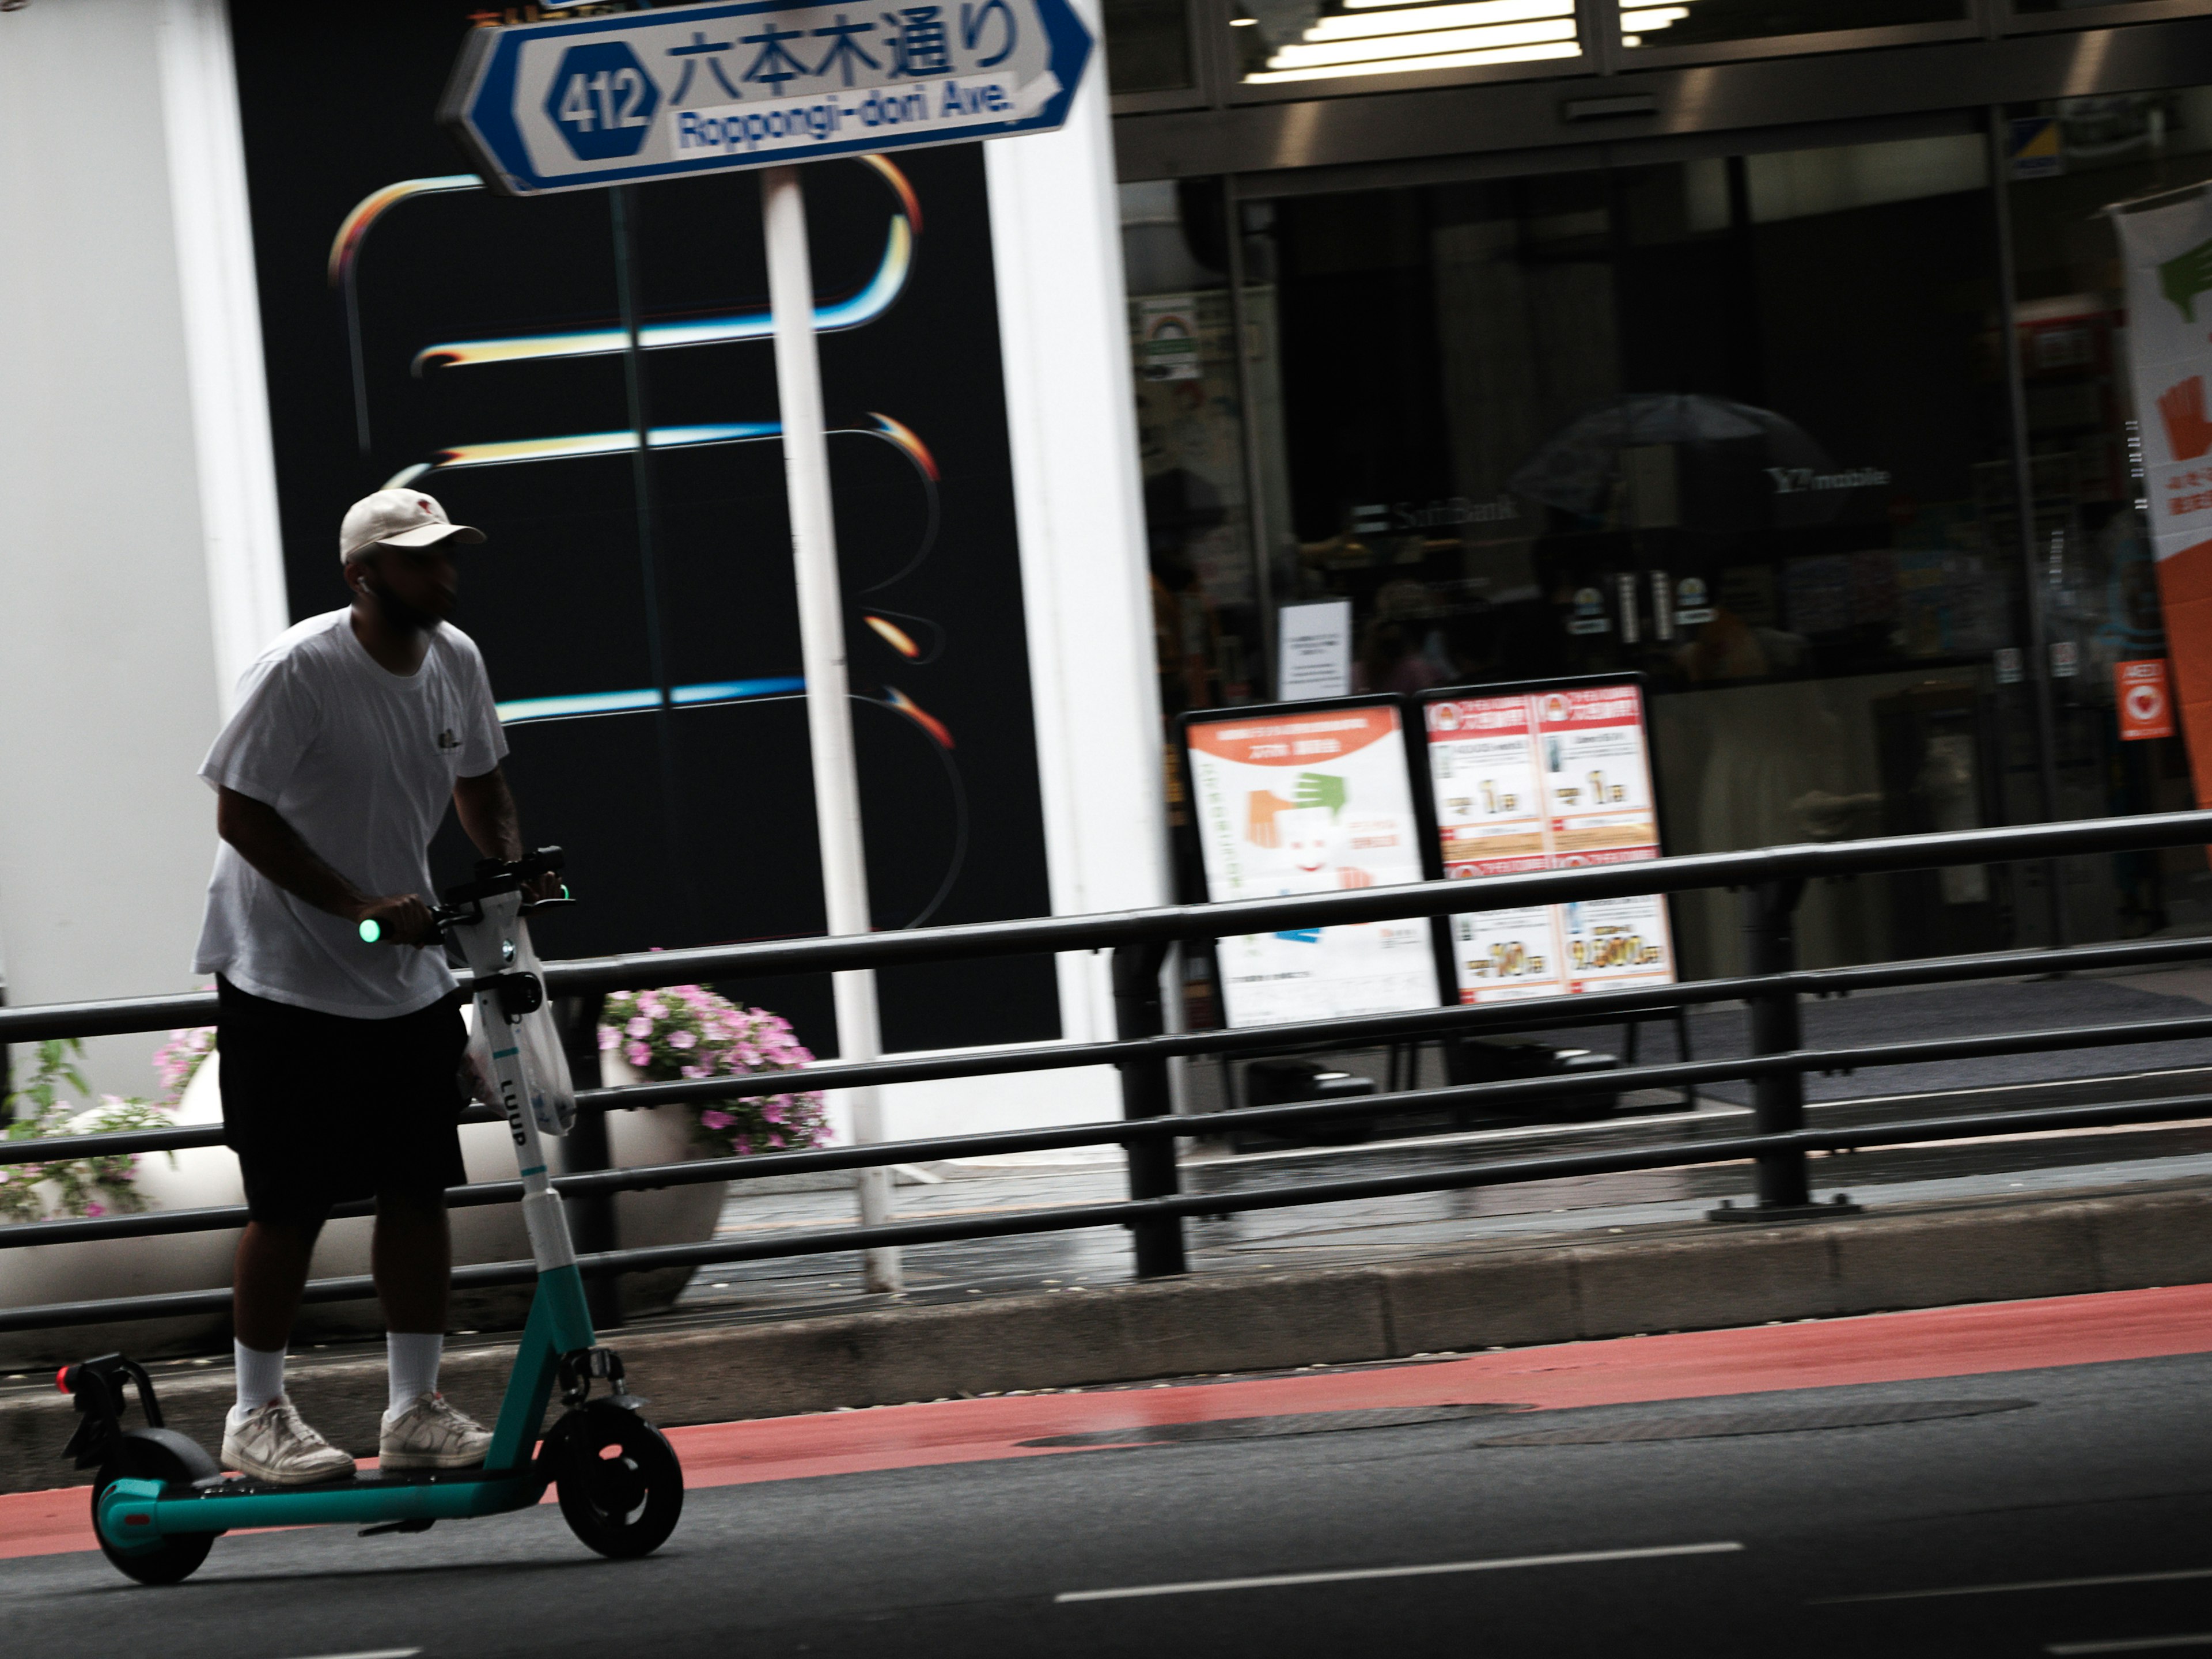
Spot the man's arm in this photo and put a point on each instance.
(486, 806)
(265, 841)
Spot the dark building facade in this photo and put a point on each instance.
(1720, 341)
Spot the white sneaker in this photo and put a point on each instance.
(275, 1444)
(431, 1434)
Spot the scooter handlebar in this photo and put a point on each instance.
(494, 876)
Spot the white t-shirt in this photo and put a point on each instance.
(362, 762)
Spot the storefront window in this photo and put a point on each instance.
(1738, 423)
(1700, 22)
(1211, 593)
(1148, 45)
(2070, 158)
(1292, 41)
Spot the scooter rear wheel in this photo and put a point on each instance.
(165, 1456)
(620, 1485)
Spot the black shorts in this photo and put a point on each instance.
(321, 1109)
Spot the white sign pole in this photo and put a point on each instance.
(822, 648)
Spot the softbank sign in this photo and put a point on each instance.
(949, 108)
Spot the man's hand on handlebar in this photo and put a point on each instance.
(400, 919)
(542, 887)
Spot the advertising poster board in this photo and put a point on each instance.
(1310, 798)
(1547, 776)
(2165, 242)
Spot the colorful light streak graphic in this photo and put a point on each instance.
(860, 309)
(855, 311)
(894, 636)
(576, 446)
(915, 712)
(353, 229)
(638, 701)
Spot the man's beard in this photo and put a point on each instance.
(396, 614)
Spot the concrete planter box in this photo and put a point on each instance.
(207, 1177)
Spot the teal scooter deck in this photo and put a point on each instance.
(133, 1510)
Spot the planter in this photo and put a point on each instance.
(207, 1177)
(674, 1215)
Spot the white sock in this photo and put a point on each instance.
(260, 1376)
(413, 1358)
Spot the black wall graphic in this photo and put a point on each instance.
(636, 607)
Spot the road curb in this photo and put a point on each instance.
(1658, 1278)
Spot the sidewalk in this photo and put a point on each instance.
(1398, 1229)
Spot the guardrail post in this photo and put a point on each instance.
(591, 1215)
(1778, 1100)
(1138, 1012)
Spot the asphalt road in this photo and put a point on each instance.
(1951, 1535)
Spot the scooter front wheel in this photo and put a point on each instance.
(620, 1485)
(165, 1456)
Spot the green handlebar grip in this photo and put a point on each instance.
(370, 930)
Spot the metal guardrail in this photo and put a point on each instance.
(1773, 879)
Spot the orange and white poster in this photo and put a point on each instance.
(2139, 693)
(1314, 801)
(1548, 780)
(2166, 242)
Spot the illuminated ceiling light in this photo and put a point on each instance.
(1458, 43)
(1415, 18)
(1658, 17)
(1494, 11)
(1527, 54)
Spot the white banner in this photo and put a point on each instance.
(2168, 253)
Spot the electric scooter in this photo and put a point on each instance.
(159, 1501)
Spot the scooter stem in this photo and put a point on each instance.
(490, 941)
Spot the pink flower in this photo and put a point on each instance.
(608, 1037)
(638, 1055)
(773, 1111)
(681, 1040)
(639, 1027)
(745, 1054)
(715, 1120)
(651, 1005)
(696, 1071)
(96, 1209)
(744, 1147)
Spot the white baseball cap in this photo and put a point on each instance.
(403, 517)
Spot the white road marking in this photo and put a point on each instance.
(2132, 1644)
(2006, 1590)
(1350, 1576)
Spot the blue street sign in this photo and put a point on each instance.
(710, 88)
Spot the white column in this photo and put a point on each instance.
(109, 673)
(1078, 500)
(233, 457)
(822, 646)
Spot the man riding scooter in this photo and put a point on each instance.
(341, 1062)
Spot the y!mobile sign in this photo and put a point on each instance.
(1310, 802)
(1546, 779)
(657, 94)
(2166, 242)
